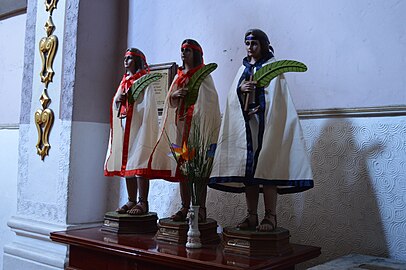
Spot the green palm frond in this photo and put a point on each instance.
(141, 84)
(267, 73)
(195, 82)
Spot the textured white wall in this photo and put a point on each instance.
(356, 53)
(354, 49)
(358, 204)
(57, 189)
(8, 183)
(99, 57)
(42, 185)
(88, 183)
(55, 192)
(11, 67)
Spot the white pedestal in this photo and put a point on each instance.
(32, 248)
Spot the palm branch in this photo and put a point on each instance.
(140, 84)
(267, 73)
(195, 82)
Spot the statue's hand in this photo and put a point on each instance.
(248, 86)
(179, 93)
(177, 96)
(122, 98)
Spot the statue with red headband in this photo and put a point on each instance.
(133, 132)
(184, 107)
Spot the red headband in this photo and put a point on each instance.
(194, 47)
(139, 55)
(136, 54)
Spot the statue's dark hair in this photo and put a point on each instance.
(139, 61)
(266, 48)
(197, 55)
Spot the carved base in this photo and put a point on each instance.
(124, 223)
(176, 232)
(253, 243)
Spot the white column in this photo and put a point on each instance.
(67, 188)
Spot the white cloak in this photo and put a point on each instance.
(206, 110)
(132, 139)
(283, 160)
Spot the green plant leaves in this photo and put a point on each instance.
(268, 72)
(140, 84)
(195, 82)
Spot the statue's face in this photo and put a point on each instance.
(253, 48)
(129, 63)
(187, 56)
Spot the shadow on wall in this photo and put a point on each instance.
(228, 209)
(115, 187)
(343, 213)
(163, 198)
(340, 214)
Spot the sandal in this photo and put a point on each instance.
(266, 223)
(181, 215)
(246, 223)
(141, 208)
(127, 206)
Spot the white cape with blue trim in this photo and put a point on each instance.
(283, 159)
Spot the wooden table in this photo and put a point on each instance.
(92, 249)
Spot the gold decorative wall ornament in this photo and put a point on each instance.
(49, 26)
(50, 5)
(44, 119)
(44, 99)
(47, 48)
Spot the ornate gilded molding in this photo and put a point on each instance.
(47, 49)
(44, 118)
(50, 5)
(49, 26)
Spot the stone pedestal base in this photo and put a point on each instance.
(32, 249)
(124, 223)
(253, 243)
(176, 232)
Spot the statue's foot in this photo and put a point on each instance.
(140, 208)
(123, 209)
(268, 224)
(250, 222)
(181, 215)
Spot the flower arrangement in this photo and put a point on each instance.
(195, 158)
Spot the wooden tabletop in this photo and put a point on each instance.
(144, 248)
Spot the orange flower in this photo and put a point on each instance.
(183, 152)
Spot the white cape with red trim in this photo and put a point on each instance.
(283, 156)
(143, 133)
(206, 110)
